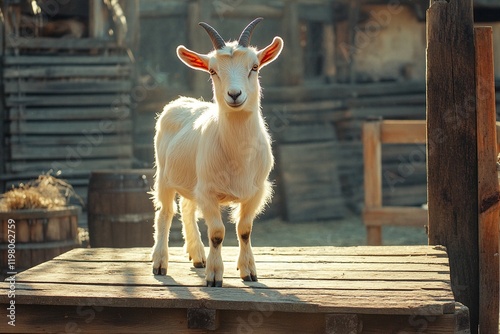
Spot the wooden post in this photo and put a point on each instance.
(354, 8)
(200, 42)
(96, 19)
(487, 182)
(3, 111)
(133, 24)
(293, 63)
(372, 151)
(452, 178)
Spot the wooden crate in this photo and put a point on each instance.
(300, 290)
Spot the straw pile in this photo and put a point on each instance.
(47, 192)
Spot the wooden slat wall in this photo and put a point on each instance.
(68, 112)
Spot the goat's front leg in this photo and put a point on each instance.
(216, 232)
(245, 216)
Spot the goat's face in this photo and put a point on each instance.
(234, 69)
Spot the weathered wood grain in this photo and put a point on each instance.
(65, 87)
(389, 288)
(488, 191)
(403, 132)
(263, 321)
(48, 72)
(65, 100)
(396, 216)
(452, 145)
(372, 151)
(282, 254)
(10, 60)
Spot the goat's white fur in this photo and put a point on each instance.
(214, 154)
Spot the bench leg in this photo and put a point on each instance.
(374, 235)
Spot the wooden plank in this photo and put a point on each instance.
(54, 127)
(144, 255)
(93, 138)
(310, 253)
(403, 132)
(262, 320)
(307, 133)
(369, 103)
(67, 165)
(289, 300)
(316, 13)
(150, 9)
(311, 183)
(70, 114)
(64, 87)
(60, 43)
(246, 11)
(396, 216)
(111, 100)
(488, 191)
(59, 60)
(83, 149)
(233, 281)
(452, 145)
(372, 175)
(67, 71)
(398, 111)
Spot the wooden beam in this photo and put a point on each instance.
(372, 152)
(488, 196)
(395, 216)
(403, 132)
(452, 145)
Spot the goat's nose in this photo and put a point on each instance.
(234, 95)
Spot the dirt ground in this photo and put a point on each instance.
(349, 231)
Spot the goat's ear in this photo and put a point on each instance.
(192, 59)
(270, 52)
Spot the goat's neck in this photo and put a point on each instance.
(238, 130)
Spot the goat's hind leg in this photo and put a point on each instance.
(192, 238)
(163, 221)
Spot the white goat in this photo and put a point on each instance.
(215, 154)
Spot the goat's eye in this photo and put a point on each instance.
(255, 67)
(212, 72)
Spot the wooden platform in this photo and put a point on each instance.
(300, 290)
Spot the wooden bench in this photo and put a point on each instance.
(300, 290)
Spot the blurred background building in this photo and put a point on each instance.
(82, 82)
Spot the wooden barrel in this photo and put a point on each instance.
(40, 235)
(120, 210)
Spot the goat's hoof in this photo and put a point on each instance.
(199, 264)
(159, 271)
(250, 278)
(217, 284)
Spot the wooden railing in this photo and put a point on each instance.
(375, 215)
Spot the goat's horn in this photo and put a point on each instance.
(217, 41)
(245, 36)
